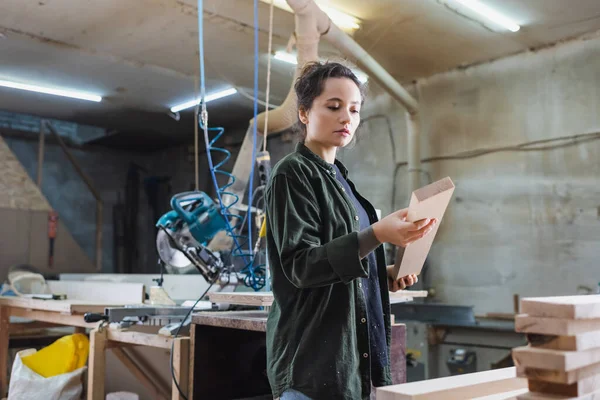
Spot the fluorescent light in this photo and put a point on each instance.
(292, 59)
(46, 90)
(342, 20)
(210, 97)
(286, 57)
(492, 15)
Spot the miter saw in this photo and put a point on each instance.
(184, 232)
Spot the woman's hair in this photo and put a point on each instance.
(311, 82)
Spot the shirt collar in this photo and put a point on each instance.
(306, 152)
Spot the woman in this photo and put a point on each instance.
(328, 332)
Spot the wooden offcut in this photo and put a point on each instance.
(566, 307)
(429, 201)
(555, 326)
(564, 377)
(582, 341)
(576, 389)
(259, 299)
(458, 387)
(546, 396)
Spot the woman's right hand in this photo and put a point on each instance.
(396, 230)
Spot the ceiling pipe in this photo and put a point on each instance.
(311, 23)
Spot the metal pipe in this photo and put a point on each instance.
(92, 189)
(414, 152)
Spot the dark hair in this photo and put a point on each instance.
(311, 81)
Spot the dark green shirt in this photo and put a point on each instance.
(317, 331)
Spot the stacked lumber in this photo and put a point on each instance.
(562, 360)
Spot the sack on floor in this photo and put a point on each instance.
(26, 384)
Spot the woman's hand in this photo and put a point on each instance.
(396, 230)
(399, 284)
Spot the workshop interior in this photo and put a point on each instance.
(137, 141)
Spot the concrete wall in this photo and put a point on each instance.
(524, 223)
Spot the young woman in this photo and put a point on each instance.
(328, 332)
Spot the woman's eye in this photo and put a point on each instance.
(333, 108)
(355, 111)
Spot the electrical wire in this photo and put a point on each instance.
(177, 333)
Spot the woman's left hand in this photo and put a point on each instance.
(399, 284)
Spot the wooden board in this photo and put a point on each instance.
(429, 201)
(512, 395)
(409, 293)
(555, 326)
(61, 306)
(576, 389)
(113, 292)
(564, 377)
(458, 387)
(554, 359)
(583, 341)
(260, 299)
(542, 396)
(567, 307)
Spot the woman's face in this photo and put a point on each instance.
(335, 114)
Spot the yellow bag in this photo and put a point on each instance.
(63, 356)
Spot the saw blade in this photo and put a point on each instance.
(168, 252)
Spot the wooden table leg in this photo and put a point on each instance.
(97, 365)
(181, 359)
(4, 328)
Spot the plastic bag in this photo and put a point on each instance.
(26, 384)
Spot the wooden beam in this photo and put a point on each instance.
(140, 338)
(52, 317)
(583, 341)
(4, 336)
(63, 306)
(564, 377)
(576, 389)
(460, 387)
(97, 365)
(17, 327)
(264, 299)
(139, 374)
(181, 363)
(554, 359)
(555, 326)
(567, 307)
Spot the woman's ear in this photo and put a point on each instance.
(303, 115)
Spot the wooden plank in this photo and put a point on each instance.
(583, 341)
(555, 326)
(192, 361)
(458, 387)
(97, 365)
(512, 395)
(429, 201)
(63, 306)
(181, 363)
(52, 317)
(102, 292)
(543, 396)
(156, 389)
(409, 293)
(17, 327)
(564, 377)
(579, 388)
(567, 307)
(4, 336)
(261, 299)
(139, 338)
(554, 359)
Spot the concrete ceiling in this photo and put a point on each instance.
(142, 55)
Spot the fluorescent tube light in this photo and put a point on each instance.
(54, 91)
(210, 97)
(342, 20)
(488, 13)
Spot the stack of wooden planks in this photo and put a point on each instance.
(562, 360)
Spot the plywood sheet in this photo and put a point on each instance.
(122, 292)
(567, 307)
(555, 326)
(564, 377)
(458, 387)
(554, 359)
(429, 201)
(582, 341)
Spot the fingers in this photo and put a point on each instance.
(419, 233)
(402, 283)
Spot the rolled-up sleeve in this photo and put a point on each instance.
(295, 222)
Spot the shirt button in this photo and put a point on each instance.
(363, 320)
(356, 217)
(360, 284)
(365, 355)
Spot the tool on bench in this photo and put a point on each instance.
(52, 228)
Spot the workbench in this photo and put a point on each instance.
(228, 355)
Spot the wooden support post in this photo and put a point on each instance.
(40, 165)
(4, 328)
(181, 362)
(131, 365)
(97, 365)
